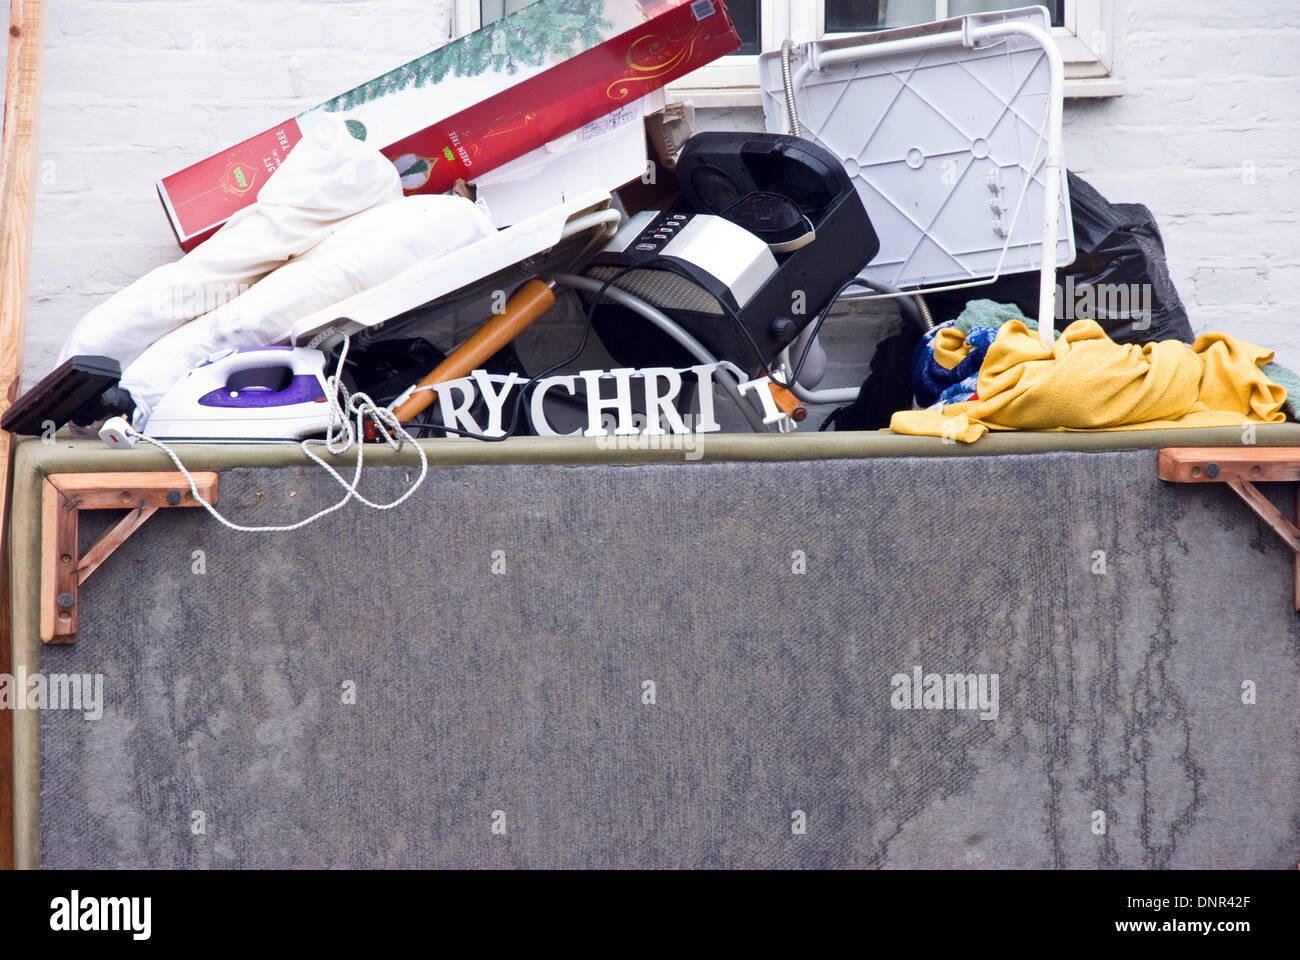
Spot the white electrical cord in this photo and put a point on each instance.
(341, 436)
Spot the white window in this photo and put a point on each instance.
(1083, 29)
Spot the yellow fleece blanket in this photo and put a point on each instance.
(1086, 381)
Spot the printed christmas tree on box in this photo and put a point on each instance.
(478, 102)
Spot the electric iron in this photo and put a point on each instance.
(266, 394)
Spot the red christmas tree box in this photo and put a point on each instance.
(478, 102)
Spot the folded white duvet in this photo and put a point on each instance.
(328, 178)
(369, 249)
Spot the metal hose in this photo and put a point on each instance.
(926, 318)
(913, 305)
(674, 330)
(792, 112)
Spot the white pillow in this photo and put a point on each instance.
(329, 177)
(369, 249)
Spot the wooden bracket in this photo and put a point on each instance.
(1240, 468)
(63, 497)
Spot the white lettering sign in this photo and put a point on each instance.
(611, 397)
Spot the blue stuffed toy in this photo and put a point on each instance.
(933, 384)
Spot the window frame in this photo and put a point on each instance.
(1086, 41)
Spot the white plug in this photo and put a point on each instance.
(116, 432)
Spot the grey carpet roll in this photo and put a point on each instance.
(624, 666)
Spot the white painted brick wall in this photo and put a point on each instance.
(1208, 136)
(135, 89)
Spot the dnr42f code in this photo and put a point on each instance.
(1164, 903)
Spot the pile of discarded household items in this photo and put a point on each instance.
(589, 265)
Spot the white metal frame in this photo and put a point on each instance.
(969, 36)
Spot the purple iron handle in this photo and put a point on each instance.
(300, 389)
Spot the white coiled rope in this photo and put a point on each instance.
(348, 412)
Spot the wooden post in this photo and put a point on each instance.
(18, 167)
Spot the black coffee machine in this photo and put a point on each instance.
(766, 231)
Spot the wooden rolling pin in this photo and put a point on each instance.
(530, 302)
(788, 403)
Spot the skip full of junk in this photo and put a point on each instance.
(373, 270)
